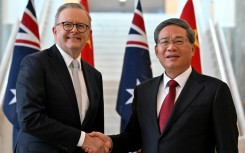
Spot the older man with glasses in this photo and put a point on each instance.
(60, 97)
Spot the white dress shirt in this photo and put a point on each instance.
(85, 101)
(163, 87)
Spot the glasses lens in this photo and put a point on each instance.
(81, 27)
(167, 42)
(179, 41)
(67, 26)
(164, 42)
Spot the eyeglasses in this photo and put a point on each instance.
(68, 26)
(167, 42)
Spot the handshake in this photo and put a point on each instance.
(97, 142)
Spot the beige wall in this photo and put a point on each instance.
(5, 134)
(171, 6)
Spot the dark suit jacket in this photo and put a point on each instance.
(203, 119)
(47, 107)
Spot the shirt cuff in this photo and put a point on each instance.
(81, 140)
(110, 150)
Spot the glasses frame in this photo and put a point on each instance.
(63, 25)
(175, 42)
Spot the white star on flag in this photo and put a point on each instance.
(14, 98)
(131, 91)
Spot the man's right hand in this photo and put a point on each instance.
(107, 140)
(93, 144)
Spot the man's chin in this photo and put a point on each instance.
(75, 46)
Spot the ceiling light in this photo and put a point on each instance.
(122, 0)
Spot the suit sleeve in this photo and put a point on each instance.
(225, 121)
(130, 139)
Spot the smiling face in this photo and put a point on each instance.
(72, 41)
(174, 57)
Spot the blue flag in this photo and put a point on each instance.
(136, 66)
(27, 42)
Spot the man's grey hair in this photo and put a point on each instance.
(177, 22)
(71, 5)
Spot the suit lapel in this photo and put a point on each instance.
(62, 72)
(191, 89)
(151, 100)
(91, 88)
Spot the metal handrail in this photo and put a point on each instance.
(232, 81)
(227, 74)
(4, 66)
(43, 18)
(217, 50)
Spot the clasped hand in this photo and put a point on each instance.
(96, 142)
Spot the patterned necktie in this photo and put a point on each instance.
(76, 83)
(167, 105)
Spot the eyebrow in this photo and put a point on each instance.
(73, 22)
(172, 38)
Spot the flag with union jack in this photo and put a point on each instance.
(27, 42)
(136, 66)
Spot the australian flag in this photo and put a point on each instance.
(136, 66)
(27, 42)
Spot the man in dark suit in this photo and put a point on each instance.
(51, 118)
(203, 118)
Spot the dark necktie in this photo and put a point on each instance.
(76, 84)
(167, 105)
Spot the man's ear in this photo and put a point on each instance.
(54, 30)
(156, 51)
(193, 50)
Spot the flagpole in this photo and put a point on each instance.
(45, 10)
(4, 66)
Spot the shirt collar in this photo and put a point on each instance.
(181, 79)
(67, 58)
